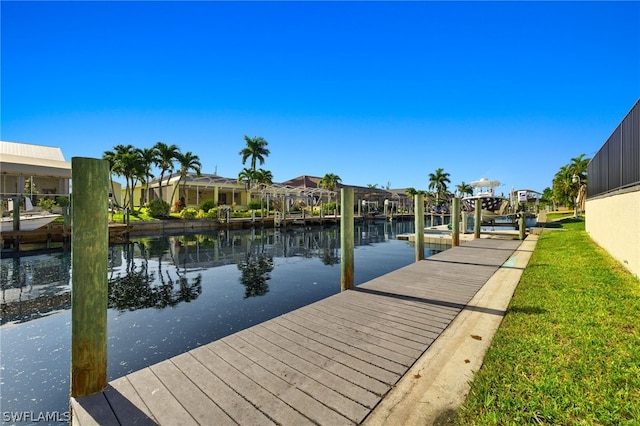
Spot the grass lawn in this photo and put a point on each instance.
(568, 350)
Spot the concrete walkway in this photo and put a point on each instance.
(433, 388)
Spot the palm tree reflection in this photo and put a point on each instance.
(136, 290)
(254, 271)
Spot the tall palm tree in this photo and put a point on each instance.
(464, 189)
(256, 149)
(439, 181)
(149, 160)
(165, 155)
(114, 170)
(119, 159)
(132, 170)
(187, 162)
(578, 170)
(562, 190)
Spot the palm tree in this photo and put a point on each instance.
(122, 163)
(464, 189)
(329, 181)
(578, 170)
(255, 149)
(187, 161)
(439, 181)
(114, 169)
(165, 155)
(247, 176)
(578, 167)
(562, 190)
(411, 192)
(149, 159)
(264, 177)
(132, 170)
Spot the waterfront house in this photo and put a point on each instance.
(34, 171)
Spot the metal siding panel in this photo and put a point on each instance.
(614, 164)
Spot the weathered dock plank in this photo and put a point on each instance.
(328, 363)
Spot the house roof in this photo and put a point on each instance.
(33, 160)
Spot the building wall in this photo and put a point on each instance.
(613, 222)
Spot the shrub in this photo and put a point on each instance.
(62, 201)
(158, 208)
(189, 213)
(254, 205)
(212, 213)
(46, 203)
(208, 204)
(329, 207)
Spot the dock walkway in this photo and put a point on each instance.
(328, 363)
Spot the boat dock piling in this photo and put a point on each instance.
(89, 287)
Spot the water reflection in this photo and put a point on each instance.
(35, 286)
(170, 294)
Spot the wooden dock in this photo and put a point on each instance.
(328, 363)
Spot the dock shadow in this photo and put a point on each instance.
(108, 407)
(444, 303)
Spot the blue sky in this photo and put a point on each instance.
(375, 92)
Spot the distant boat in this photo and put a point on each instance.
(492, 206)
(28, 222)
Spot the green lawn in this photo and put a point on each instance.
(568, 350)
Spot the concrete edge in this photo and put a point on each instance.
(438, 382)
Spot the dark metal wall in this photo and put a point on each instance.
(617, 164)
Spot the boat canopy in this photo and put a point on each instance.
(485, 183)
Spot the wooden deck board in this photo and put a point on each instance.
(312, 370)
(330, 362)
(226, 397)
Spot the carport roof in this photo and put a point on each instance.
(33, 160)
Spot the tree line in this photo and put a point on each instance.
(137, 165)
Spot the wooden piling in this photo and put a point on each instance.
(478, 218)
(521, 227)
(465, 220)
(346, 239)
(89, 263)
(455, 223)
(419, 225)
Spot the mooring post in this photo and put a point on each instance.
(346, 239)
(465, 220)
(478, 218)
(89, 265)
(522, 224)
(419, 225)
(17, 201)
(455, 223)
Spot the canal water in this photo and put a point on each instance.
(169, 294)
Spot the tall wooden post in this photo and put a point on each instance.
(17, 201)
(522, 225)
(419, 225)
(465, 220)
(455, 223)
(478, 218)
(346, 239)
(89, 264)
